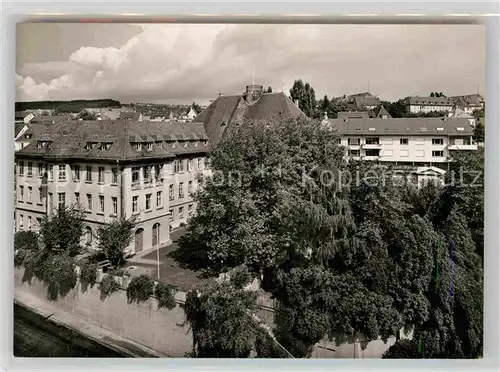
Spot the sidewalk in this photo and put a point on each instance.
(104, 337)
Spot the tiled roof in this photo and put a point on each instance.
(49, 119)
(69, 140)
(353, 114)
(36, 129)
(366, 101)
(470, 99)
(402, 126)
(227, 111)
(18, 128)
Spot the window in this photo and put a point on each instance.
(437, 154)
(40, 194)
(403, 141)
(100, 176)
(76, 172)
(147, 174)
(101, 203)
(30, 169)
(372, 152)
(29, 222)
(171, 192)
(40, 170)
(190, 165)
(135, 175)
(177, 166)
(134, 204)
(353, 141)
(171, 214)
(181, 212)
(158, 172)
(190, 209)
(200, 163)
(354, 152)
(403, 153)
(62, 172)
(61, 200)
(114, 201)
(440, 129)
(159, 199)
(437, 141)
(88, 177)
(114, 175)
(88, 235)
(21, 221)
(148, 202)
(21, 168)
(89, 202)
(21, 192)
(77, 198)
(372, 141)
(460, 129)
(51, 200)
(39, 222)
(137, 146)
(30, 194)
(181, 189)
(51, 173)
(190, 187)
(149, 146)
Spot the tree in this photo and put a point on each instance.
(479, 131)
(269, 89)
(306, 96)
(62, 231)
(114, 238)
(87, 115)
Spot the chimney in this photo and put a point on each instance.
(253, 93)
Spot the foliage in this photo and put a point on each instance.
(397, 109)
(240, 277)
(67, 106)
(61, 232)
(403, 349)
(87, 115)
(221, 322)
(57, 271)
(24, 242)
(88, 274)
(165, 294)
(140, 289)
(437, 94)
(267, 347)
(269, 89)
(306, 96)
(196, 107)
(114, 238)
(108, 286)
(479, 131)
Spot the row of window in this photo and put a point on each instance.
(30, 222)
(404, 153)
(171, 193)
(180, 213)
(148, 202)
(376, 141)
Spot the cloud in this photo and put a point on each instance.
(186, 62)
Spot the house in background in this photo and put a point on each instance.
(468, 103)
(27, 134)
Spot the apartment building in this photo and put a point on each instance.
(469, 103)
(421, 144)
(114, 169)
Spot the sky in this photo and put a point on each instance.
(184, 63)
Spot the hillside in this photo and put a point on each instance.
(67, 106)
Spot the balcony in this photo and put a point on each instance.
(372, 146)
(462, 147)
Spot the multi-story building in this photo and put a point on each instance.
(421, 144)
(468, 103)
(114, 169)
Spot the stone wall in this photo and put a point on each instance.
(165, 330)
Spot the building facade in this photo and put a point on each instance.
(422, 145)
(114, 169)
(468, 103)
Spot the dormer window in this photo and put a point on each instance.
(105, 145)
(137, 146)
(460, 129)
(173, 144)
(205, 143)
(159, 144)
(358, 129)
(371, 129)
(195, 143)
(423, 129)
(439, 129)
(185, 144)
(27, 136)
(43, 144)
(149, 146)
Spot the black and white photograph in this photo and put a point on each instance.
(249, 190)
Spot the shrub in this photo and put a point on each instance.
(108, 286)
(165, 293)
(88, 274)
(140, 289)
(25, 241)
(240, 277)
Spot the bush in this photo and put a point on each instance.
(88, 274)
(108, 286)
(240, 277)
(165, 293)
(140, 289)
(25, 241)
